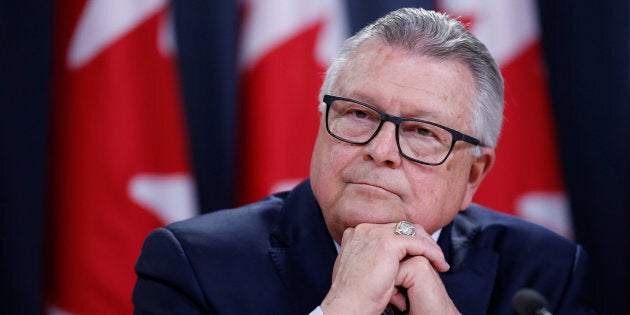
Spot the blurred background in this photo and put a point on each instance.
(121, 116)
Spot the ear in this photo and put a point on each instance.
(321, 108)
(479, 168)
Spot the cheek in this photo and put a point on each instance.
(433, 208)
(327, 162)
(330, 156)
(437, 194)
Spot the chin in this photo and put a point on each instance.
(372, 211)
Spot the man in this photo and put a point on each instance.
(412, 109)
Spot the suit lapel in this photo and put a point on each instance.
(473, 268)
(302, 250)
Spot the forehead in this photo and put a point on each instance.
(402, 83)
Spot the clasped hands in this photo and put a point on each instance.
(374, 263)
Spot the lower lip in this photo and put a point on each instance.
(373, 187)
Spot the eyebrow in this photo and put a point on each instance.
(415, 113)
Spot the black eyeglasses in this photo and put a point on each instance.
(418, 140)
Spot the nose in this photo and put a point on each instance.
(383, 149)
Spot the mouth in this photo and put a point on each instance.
(372, 186)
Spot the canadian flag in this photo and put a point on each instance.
(526, 180)
(285, 47)
(119, 162)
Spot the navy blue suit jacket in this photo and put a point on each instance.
(276, 257)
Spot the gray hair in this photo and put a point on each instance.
(433, 34)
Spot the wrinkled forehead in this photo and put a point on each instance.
(378, 73)
(375, 51)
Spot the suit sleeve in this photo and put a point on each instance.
(166, 282)
(577, 295)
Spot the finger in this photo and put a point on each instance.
(423, 244)
(414, 269)
(346, 238)
(396, 247)
(425, 290)
(399, 300)
(363, 275)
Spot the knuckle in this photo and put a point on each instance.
(421, 263)
(347, 233)
(420, 229)
(362, 228)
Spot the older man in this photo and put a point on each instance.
(411, 111)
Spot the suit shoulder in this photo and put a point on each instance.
(507, 228)
(247, 222)
(525, 254)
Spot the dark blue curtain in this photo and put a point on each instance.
(207, 40)
(587, 50)
(25, 65)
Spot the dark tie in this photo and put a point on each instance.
(392, 310)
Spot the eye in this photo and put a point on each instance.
(424, 132)
(421, 131)
(359, 113)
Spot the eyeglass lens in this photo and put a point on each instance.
(355, 123)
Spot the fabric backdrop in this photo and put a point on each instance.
(585, 50)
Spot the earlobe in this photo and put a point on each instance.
(480, 167)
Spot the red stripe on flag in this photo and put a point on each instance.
(114, 118)
(279, 116)
(527, 155)
(526, 179)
